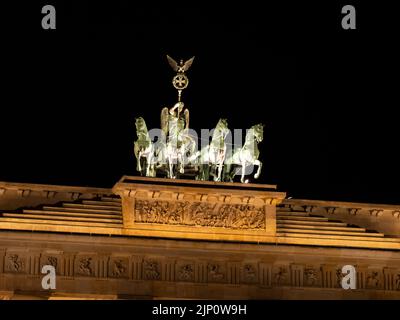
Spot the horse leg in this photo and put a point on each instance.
(215, 172)
(243, 171)
(206, 174)
(227, 174)
(217, 168)
(149, 164)
(219, 171)
(221, 163)
(147, 167)
(211, 171)
(170, 164)
(138, 166)
(173, 170)
(200, 173)
(259, 164)
(181, 164)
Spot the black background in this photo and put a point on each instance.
(255, 309)
(328, 96)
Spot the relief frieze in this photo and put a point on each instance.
(232, 216)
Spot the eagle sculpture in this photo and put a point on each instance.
(182, 66)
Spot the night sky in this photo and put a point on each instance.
(328, 96)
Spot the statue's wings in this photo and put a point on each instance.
(172, 63)
(188, 63)
(186, 113)
(164, 120)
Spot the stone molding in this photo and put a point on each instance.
(49, 191)
(380, 217)
(333, 207)
(271, 271)
(178, 208)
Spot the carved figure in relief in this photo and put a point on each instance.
(119, 268)
(398, 281)
(186, 272)
(311, 276)
(214, 272)
(249, 273)
(200, 214)
(373, 279)
(151, 270)
(339, 277)
(52, 261)
(280, 276)
(85, 266)
(15, 263)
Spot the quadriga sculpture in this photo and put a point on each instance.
(246, 155)
(179, 145)
(178, 151)
(211, 157)
(144, 149)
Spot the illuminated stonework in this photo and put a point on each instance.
(184, 239)
(233, 216)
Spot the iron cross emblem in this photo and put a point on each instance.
(180, 81)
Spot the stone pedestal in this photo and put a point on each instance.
(198, 209)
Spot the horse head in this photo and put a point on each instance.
(222, 124)
(258, 131)
(222, 127)
(140, 125)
